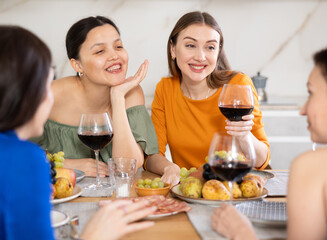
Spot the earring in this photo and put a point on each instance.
(173, 58)
(80, 74)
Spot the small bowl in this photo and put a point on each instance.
(152, 191)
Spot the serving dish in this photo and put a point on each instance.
(177, 192)
(76, 193)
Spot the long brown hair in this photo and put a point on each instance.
(222, 73)
(320, 60)
(25, 62)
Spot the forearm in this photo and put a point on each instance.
(157, 163)
(261, 151)
(124, 144)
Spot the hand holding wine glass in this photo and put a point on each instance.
(95, 131)
(231, 158)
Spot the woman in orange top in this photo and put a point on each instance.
(185, 109)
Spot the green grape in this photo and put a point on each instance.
(182, 179)
(154, 184)
(161, 184)
(147, 181)
(140, 182)
(61, 154)
(58, 158)
(59, 164)
(147, 186)
(192, 169)
(184, 172)
(140, 185)
(157, 179)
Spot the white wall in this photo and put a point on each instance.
(253, 32)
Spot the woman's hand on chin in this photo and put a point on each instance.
(131, 82)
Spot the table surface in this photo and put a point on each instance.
(171, 227)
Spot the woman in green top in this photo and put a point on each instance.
(97, 54)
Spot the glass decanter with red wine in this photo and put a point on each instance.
(231, 158)
(95, 131)
(236, 101)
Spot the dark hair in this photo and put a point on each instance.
(77, 33)
(25, 61)
(222, 73)
(320, 60)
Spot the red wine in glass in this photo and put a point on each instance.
(95, 132)
(95, 142)
(236, 101)
(232, 171)
(235, 112)
(231, 158)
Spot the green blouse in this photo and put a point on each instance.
(60, 137)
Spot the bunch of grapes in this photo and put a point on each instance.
(208, 174)
(53, 173)
(184, 173)
(148, 183)
(57, 158)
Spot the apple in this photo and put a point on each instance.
(66, 173)
(64, 188)
(198, 174)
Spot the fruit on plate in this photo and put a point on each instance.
(197, 173)
(67, 173)
(57, 158)
(237, 193)
(214, 189)
(251, 187)
(64, 188)
(53, 191)
(191, 187)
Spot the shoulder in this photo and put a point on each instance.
(167, 83)
(62, 92)
(134, 97)
(241, 78)
(310, 163)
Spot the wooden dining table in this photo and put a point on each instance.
(172, 227)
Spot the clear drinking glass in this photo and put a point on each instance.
(236, 101)
(231, 158)
(95, 131)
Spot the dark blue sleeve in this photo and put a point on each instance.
(28, 202)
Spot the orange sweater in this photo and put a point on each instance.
(188, 125)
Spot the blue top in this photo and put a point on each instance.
(25, 190)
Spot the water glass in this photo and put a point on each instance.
(124, 170)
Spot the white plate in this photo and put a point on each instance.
(76, 193)
(175, 190)
(263, 174)
(155, 216)
(79, 175)
(58, 218)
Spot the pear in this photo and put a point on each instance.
(192, 187)
(64, 187)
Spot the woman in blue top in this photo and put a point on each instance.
(25, 103)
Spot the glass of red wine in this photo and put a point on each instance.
(95, 131)
(236, 101)
(231, 159)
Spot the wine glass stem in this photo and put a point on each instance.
(97, 180)
(230, 184)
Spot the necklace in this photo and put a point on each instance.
(189, 95)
